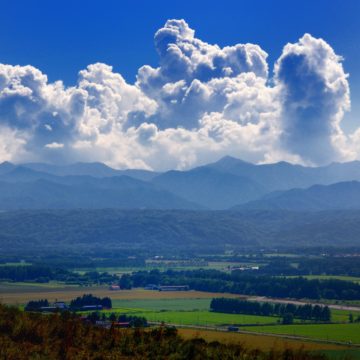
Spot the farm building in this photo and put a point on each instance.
(151, 287)
(174, 288)
(114, 287)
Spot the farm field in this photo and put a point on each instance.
(191, 304)
(334, 332)
(164, 304)
(342, 315)
(191, 308)
(264, 342)
(201, 318)
(21, 293)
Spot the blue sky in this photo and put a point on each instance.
(62, 37)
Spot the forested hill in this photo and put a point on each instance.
(158, 230)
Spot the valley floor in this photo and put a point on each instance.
(189, 310)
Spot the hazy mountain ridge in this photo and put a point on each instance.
(24, 188)
(338, 196)
(225, 184)
(286, 176)
(95, 169)
(209, 187)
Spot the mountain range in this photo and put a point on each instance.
(229, 183)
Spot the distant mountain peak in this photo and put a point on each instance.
(6, 166)
(231, 160)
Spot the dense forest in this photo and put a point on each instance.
(329, 265)
(156, 231)
(303, 312)
(239, 283)
(45, 273)
(64, 336)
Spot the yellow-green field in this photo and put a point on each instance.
(264, 342)
(21, 293)
(347, 333)
(197, 318)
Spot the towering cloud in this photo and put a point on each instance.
(193, 76)
(200, 103)
(314, 93)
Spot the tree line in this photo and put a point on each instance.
(132, 320)
(239, 283)
(44, 273)
(330, 265)
(89, 300)
(75, 304)
(237, 306)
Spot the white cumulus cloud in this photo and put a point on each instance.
(314, 96)
(201, 102)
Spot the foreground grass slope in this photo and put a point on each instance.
(36, 336)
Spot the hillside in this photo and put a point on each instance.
(209, 187)
(162, 230)
(25, 188)
(344, 195)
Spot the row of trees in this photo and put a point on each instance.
(75, 304)
(237, 306)
(349, 266)
(36, 305)
(44, 273)
(88, 300)
(134, 321)
(239, 283)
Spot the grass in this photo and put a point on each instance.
(186, 311)
(20, 263)
(334, 332)
(164, 304)
(342, 315)
(204, 318)
(256, 341)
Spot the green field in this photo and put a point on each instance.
(164, 304)
(191, 311)
(21, 263)
(265, 342)
(19, 286)
(335, 332)
(203, 318)
(342, 315)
